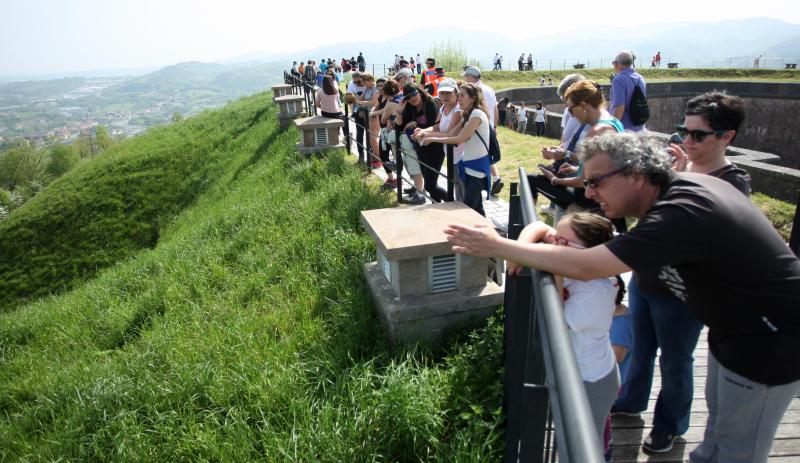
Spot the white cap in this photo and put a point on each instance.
(405, 72)
(447, 85)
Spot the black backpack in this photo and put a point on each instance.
(639, 110)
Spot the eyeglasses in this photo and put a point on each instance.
(561, 241)
(570, 108)
(595, 182)
(696, 134)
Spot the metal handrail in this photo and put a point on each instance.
(545, 379)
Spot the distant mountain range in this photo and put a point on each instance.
(750, 37)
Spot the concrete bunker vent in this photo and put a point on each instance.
(443, 273)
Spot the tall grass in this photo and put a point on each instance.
(108, 209)
(246, 333)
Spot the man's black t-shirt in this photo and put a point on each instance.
(715, 251)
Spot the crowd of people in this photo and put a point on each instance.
(419, 114)
(701, 253)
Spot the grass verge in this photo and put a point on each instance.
(246, 333)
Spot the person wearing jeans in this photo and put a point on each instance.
(661, 320)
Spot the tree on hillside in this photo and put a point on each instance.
(83, 146)
(20, 166)
(61, 160)
(102, 138)
(452, 56)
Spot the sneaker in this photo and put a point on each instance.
(389, 185)
(657, 442)
(414, 199)
(496, 187)
(410, 190)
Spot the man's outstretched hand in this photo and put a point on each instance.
(480, 240)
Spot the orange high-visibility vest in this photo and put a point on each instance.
(432, 81)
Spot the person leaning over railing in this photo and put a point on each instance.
(710, 125)
(714, 250)
(327, 99)
(375, 124)
(449, 119)
(388, 113)
(418, 110)
(474, 133)
(588, 308)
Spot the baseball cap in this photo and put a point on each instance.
(447, 85)
(471, 71)
(405, 72)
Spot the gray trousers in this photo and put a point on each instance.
(602, 394)
(742, 417)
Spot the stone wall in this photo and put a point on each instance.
(771, 122)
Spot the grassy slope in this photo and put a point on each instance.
(246, 334)
(110, 208)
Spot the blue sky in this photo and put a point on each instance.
(49, 36)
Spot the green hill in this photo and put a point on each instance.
(108, 209)
(231, 321)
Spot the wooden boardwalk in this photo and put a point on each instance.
(629, 432)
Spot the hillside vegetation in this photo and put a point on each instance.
(245, 333)
(106, 210)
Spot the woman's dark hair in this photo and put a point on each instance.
(410, 88)
(328, 86)
(720, 110)
(620, 290)
(391, 87)
(591, 229)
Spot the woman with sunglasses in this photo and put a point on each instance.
(588, 308)
(387, 111)
(418, 110)
(585, 102)
(662, 321)
(710, 125)
(474, 167)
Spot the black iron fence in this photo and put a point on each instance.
(547, 411)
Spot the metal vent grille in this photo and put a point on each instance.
(386, 266)
(321, 136)
(294, 107)
(442, 273)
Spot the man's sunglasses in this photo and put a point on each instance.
(595, 182)
(696, 134)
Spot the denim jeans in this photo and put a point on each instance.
(473, 186)
(661, 321)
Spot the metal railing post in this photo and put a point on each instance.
(347, 141)
(451, 175)
(398, 158)
(794, 238)
(367, 139)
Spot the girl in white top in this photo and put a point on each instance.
(474, 133)
(588, 309)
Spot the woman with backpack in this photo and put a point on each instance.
(474, 167)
